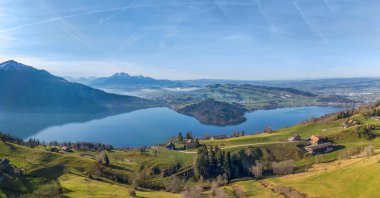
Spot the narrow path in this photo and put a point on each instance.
(237, 146)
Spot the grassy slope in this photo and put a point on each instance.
(350, 178)
(78, 186)
(253, 189)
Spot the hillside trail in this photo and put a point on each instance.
(237, 146)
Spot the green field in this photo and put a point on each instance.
(349, 178)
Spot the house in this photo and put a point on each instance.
(16, 171)
(315, 140)
(320, 148)
(170, 146)
(54, 149)
(294, 138)
(189, 145)
(66, 149)
(4, 163)
(350, 123)
(218, 137)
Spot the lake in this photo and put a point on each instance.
(141, 127)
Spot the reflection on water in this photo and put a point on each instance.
(141, 127)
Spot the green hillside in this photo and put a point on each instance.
(153, 170)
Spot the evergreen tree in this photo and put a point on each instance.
(180, 137)
(228, 165)
(189, 135)
(196, 143)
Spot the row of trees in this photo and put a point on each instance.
(188, 136)
(212, 162)
(32, 142)
(371, 109)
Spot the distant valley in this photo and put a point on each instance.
(246, 95)
(33, 88)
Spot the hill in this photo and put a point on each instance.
(24, 86)
(215, 113)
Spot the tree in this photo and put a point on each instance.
(103, 159)
(268, 129)
(283, 167)
(193, 191)
(257, 170)
(196, 143)
(180, 137)
(238, 192)
(227, 165)
(175, 185)
(189, 135)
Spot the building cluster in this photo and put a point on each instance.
(319, 145)
(63, 149)
(350, 123)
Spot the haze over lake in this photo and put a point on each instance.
(142, 127)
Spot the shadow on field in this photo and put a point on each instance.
(52, 172)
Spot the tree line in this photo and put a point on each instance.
(32, 142)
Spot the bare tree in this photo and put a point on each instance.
(257, 170)
(367, 151)
(283, 167)
(238, 192)
(175, 185)
(192, 191)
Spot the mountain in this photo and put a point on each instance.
(217, 113)
(126, 81)
(25, 86)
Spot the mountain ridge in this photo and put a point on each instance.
(38, 88)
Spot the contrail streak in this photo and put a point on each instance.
(104, 10)
(118, 13)
(63, 17)
(328, 5)
(300, 12)
(273, 28)
(78, 39)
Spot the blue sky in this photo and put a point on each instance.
(178, 39)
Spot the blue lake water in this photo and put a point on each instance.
(142, 127)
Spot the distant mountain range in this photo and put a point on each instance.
(125, 81)
(24, 86)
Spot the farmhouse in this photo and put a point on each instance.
(170, 146)
(350, 123)
(4, 163)
(320, 148)
(218, 137)
(315, 140)
(54, 149)
(66, 149)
